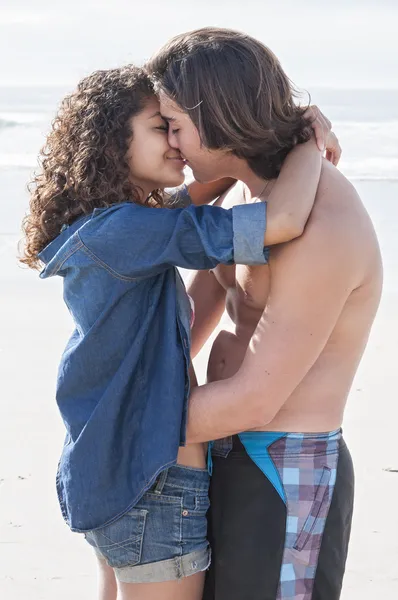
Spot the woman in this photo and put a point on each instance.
(98, 218)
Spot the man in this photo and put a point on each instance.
(282, 491)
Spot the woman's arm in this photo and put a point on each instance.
(291, 200)
(204, 193)
(193, 192)
(142, 241)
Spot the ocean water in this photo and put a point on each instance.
(366, 122)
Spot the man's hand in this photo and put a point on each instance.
(325, 138)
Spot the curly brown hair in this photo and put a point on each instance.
(83, 162)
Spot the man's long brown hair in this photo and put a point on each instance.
(236, 93)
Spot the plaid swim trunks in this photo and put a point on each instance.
(281, 510)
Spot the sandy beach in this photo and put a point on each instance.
(345, 54)
(41, 560)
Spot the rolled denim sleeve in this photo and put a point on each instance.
(135, 241)
(249, 223)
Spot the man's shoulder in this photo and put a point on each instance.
(335, 192)
(339, 230)
(338, 208)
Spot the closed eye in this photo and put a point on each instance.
(174, 131)
(163, 128)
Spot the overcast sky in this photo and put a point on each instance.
(351, 43)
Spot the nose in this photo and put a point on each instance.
(172, 138)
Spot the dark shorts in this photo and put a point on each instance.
(280, 518)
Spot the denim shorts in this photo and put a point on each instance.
(164, 537)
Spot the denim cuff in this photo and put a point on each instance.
(249, 222)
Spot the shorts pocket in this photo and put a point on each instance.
(120, 543)
(195, 503)
(313, 527)
(194, 521)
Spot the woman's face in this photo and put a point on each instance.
(153, 162)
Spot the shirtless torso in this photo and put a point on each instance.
(317, 402)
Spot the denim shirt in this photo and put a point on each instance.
(123, 383)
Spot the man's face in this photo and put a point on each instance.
(207, 165)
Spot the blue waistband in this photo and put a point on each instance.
(270, 436)
(296, 443)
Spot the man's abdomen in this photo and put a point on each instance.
(316, 405)
(226, 355)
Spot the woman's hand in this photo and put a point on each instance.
(325, 138)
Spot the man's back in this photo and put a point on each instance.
(314, 304)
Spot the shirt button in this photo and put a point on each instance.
(185, 513)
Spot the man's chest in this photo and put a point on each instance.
(249, 285)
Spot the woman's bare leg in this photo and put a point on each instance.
(107, 586)
(189, 588)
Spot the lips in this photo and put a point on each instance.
(178, 159)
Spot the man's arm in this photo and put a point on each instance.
(209, 299)
(310, 282)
